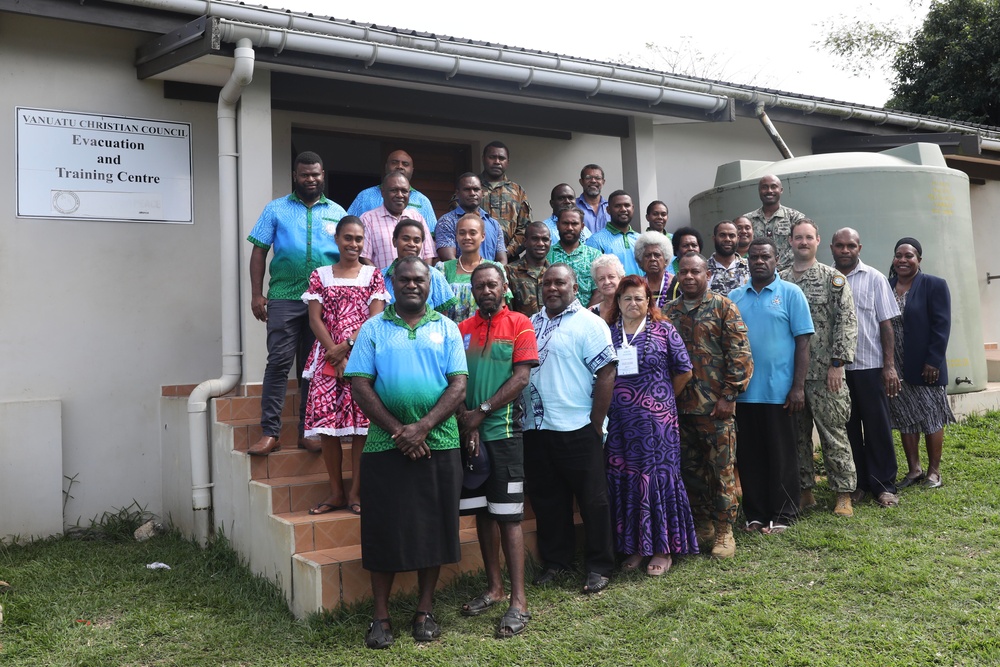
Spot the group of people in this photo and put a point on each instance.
(481, 356)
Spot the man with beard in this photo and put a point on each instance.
(716, 339)
(726, 268)
(301, 228)
(779, 326)
(774, 221)
(381, 221)
(408, 374)
(469, 191)
(525, 275)
(872, 378)
(566, 402)
(590, 201)
(618, 238)
(828, 402)
(570, 251)
(372, 197)
(563, 197)
(500, 349)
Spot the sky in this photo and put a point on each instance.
(768, 44)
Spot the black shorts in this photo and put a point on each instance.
(501, 496)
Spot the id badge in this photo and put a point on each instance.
(628, 360)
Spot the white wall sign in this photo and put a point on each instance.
(92, 166)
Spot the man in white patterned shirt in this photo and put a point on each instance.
(871, 378)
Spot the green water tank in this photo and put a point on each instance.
(905, 191)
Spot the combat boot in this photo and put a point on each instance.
(705, 530)
(725, 544)
(807, 500)
(844, 506)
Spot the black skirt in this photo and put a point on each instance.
(409, 516)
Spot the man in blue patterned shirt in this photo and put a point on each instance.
(301, 229)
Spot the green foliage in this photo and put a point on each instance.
(951, 67)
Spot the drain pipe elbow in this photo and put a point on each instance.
(232, 366)
(772, 132)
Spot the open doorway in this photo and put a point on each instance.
(354, 162)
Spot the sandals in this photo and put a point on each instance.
(478, 605)
(753, 527)
(378, 636)
(911, 481)
(595, 583)
(427, 629)
(326, 508)
(658, 565)
(774, 528)
(513, 623)
(632, 563)
(932, 482)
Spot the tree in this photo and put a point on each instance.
(686, 59)
(948, 67)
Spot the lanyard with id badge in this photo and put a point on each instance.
(628, 355)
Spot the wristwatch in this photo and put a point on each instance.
(485, 407)
(729, 397)
(836, 363)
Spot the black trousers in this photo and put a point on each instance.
(768, 461)
(558, 467)
(869, 432)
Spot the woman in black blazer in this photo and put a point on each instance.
(921, 332)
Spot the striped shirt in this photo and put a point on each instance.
(372, 198)
(379, 224)
(874, 303)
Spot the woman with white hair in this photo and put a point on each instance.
(653, 252)
(607, 271)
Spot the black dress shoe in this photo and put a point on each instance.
(547, 576)
(427, 629)
(595, 583)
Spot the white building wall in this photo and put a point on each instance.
(687, 155)
(985, 223)
(100, 314)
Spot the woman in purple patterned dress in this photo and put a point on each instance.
(649, 505)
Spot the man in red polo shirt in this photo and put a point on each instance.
(500, 348)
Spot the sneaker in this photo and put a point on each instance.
(844, 507)
(807, 500)
(725, 545)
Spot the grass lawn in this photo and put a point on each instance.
(914, 585)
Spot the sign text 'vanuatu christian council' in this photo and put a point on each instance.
(97, 167)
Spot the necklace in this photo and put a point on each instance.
(461, 264)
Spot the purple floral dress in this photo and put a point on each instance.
(649, 504)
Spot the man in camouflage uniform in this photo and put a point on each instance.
(727, 269)
(716, 339)
(503, 199)
(828, 402)
(774, 221)
(525, 275)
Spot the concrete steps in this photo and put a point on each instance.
(263, 502)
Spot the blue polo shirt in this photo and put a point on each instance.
(303, 240)
(612, 241)
(372, 198)
(410, 367)
(774, 317)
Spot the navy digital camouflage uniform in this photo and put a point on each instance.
(831, 305)
(777, 228)
(716, 339)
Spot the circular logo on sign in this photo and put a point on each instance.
(65, 201)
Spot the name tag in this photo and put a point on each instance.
(628, 361)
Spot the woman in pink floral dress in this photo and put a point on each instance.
(340, 298)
